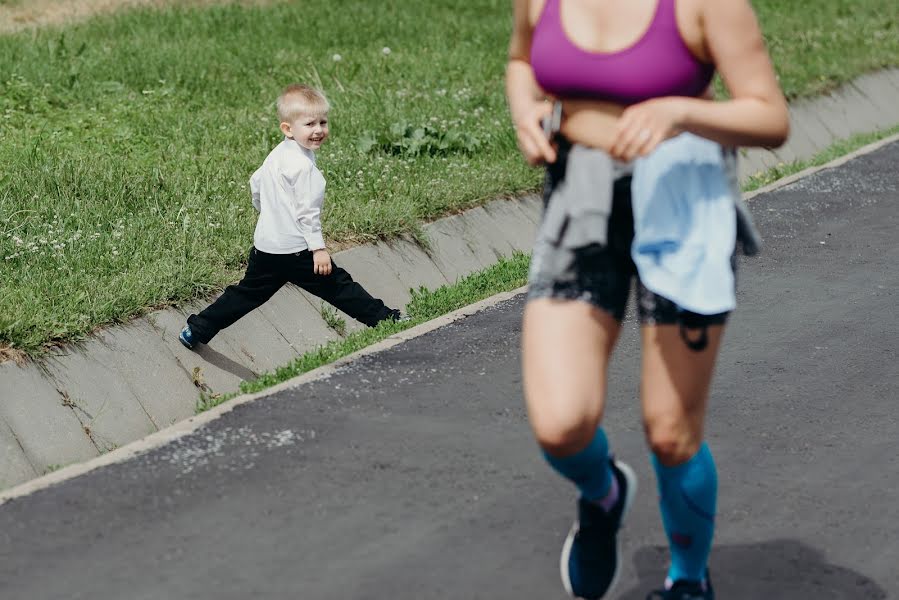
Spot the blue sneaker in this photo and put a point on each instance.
(186, 337)
(589, 562)
(685, 590)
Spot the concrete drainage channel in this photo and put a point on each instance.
(130, 381)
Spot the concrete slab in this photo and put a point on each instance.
(472, 232)
(519, 229)
(411, 264)
(136, 353)
(882, 93)
(14, 467)
(218, 368)
(799, 147)
(488, 231)
(532, 206)
(864, 116)
(766, 157)
(451, 253)
(834, 116)
(368, 268)
(49, 433)
(101, 398)
(806, 120)
(458, 226)
(256, 339)
(297, 320)
(801, 144)
(891, 76)
(750, 163)
(315, 303)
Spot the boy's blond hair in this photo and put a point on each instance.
(299, 99)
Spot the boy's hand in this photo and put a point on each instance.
(321, 262)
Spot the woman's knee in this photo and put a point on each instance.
(673, 440)
(564, 434)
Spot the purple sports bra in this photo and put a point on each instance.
(658, 64)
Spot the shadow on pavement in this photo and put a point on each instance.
(776, 570)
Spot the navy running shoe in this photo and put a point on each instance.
(686, 590)
(186, 337)
(589, 563)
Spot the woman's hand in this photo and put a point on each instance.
(531, 138)
(642, 127)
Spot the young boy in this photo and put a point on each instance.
(288, 191)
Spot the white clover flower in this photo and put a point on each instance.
(337, 58)
(386, 51)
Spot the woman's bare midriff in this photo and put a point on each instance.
(590, 122)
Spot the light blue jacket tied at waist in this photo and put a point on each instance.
(688, 216)
(685, 199)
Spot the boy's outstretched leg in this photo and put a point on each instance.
(341, 291)
(264, 276)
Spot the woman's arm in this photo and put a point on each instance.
(756, 114)
(526, 100)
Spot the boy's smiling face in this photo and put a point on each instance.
(309, 130)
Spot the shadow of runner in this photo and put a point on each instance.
(776, 570)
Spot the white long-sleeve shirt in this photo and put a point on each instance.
(288, 191)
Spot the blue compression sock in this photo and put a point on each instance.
(688, 495)
(589, 469)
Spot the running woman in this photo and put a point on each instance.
(630, 75)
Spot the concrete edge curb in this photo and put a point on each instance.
(191, 424)
(784, 181)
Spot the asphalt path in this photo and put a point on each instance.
(412, 473)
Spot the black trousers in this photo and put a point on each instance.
(267, 273)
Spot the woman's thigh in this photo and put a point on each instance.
(566, 345)
(674, 382)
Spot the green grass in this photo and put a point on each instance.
(832, 152)
(332, 319)
(128, 139)
(508, 274)
(816, 46)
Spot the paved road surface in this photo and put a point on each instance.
(412, 473)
